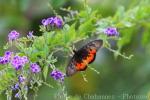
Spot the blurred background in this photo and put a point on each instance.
(118, 79)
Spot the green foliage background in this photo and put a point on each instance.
(117, 76)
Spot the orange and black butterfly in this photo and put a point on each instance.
(83, 57)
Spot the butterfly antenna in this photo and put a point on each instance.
(93, 69)
(73, 50)
(84, 76)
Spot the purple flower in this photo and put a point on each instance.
(24, 59)
(30, 34)
(58, 22)
(18, 62)
(21, 78)
(50, 21)
(35, 68)
(53, 22)
(57, 75)
(1, 60)
(45, 22)
(111, 31)
(15, 87)
(8, 53)
(6, 58)
(13, 35)
(17, 95)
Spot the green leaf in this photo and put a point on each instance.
(6, 46)
(57, 3)
(126, 37)
(86, 27)
(119, 14)
(146, 37)
(45, 72)
(69, 33)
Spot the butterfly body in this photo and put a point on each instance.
(83, 57)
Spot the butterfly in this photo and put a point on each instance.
(82, 57)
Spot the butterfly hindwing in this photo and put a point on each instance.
(71, 68)
(83, 57)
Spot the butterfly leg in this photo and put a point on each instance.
(93, 69)
(73, 50)
(84, 76)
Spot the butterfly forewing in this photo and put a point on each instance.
(83, 57)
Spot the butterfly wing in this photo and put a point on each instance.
(71, 68)
(91, 48)
(83, 57)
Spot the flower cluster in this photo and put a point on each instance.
(53, 21)
(14, 88)
(21, 79)
(57, 75)
(111, 31)
(18, 62)
(6, 58)
(13, 35)
(35, 68)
